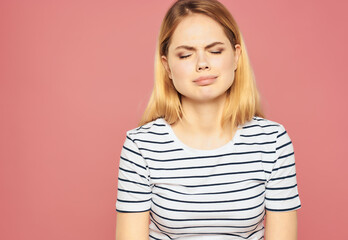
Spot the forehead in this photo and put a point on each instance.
(197, 30)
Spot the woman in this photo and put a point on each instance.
(204, 163)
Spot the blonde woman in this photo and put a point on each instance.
(204, 162)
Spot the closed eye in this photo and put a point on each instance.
(218, 52)
(186, 56)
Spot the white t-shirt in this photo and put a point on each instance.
(217, 194)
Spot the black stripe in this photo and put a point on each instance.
(279, 178)
(125, 159)
(155, 133)
(147, 141)
(288, 143)
(209, 193)
(127, 191)
(281, 134)
(286, 166)
(129, 138)
(154, 124)
(126, 170)
(132, 151)
(255, 232)
(286, 155)
(211, 202)
(269, 162)
(210, 175)
(162, 151)
(236, 234)
(284, 209)
(281, 188)
(159, 124)
(210, 156)
(126, 180)
(162, 231)
(259, 119)
(152, 237)
(258, 134)
(207, 211)
(256, 125)
(209, 219)
(128, 201)
(213, 226)
(206, 166)
(195, 233)
(225, 183)
(263, 143)
(281, 199)
(118, 210)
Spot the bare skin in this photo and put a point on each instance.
(281, 225)
(202, 132)
(132, 226)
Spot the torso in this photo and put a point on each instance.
(215, 194)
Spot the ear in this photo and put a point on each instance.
(237, 53)
(166, 65)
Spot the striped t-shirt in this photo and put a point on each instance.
(217, 194)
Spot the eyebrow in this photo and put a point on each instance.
(192, 48)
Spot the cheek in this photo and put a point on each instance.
(226, 66)
(182, 70)
(181, 73)
(226, 63)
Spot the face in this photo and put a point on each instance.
(199, 48)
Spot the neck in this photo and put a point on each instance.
(203, 118)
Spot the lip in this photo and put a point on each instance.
(205, 80)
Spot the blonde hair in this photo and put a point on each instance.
(243, 98)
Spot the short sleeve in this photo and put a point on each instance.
(281, 188)
(134, 191)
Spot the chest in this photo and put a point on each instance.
(207, 191)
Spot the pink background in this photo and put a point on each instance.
(75, 75)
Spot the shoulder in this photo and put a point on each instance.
(262, 129)
(269, 131)
(259, 123)
(151, 129)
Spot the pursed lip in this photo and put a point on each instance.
(204, 78)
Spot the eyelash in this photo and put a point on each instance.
(216, 52)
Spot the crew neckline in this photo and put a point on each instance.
(230, 144)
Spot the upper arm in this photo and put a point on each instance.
(281, 225)
(282, 198)
(133, 194)
(281, 186)
(134, 189)
(132, 226)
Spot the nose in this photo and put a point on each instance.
(202, 63)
